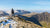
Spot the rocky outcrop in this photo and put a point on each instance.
(43, 16)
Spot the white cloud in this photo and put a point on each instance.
(42, 2)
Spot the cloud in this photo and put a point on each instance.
(42, 3)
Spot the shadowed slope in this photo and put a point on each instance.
(32, 19)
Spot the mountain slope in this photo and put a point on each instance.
(25, 24)
(3, 13)
(45, 16)
(30, 14)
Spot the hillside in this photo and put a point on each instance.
(30, 14)
(31, 22)
(25, 24)
(45, 16)
(28, 24)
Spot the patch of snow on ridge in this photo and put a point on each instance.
(11, 23)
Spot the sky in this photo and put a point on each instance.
(30, 5)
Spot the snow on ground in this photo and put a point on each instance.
(12, 22)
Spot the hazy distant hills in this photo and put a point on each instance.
(18, 12)
(22, 12)
(3, 13)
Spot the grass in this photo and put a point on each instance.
(44, 24)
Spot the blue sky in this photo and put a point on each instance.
(30, 5)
